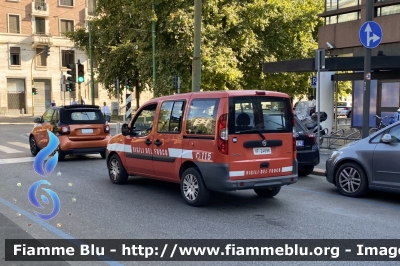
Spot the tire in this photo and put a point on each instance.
(33, 146)
(61, 155)
(306, 170)
(349, 115)
(116, 170)
(103, 155)
(267, 192)
(351, 180)
(193, 189)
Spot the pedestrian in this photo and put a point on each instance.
(311, 104)
(396, 117)
(106, 112)
(53, 103)
(74, 102)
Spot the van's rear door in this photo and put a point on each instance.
(260, 137)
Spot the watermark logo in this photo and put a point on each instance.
(44, 167)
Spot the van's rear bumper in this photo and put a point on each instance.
(216, 177)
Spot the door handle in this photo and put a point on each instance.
(158, 142)
(147, 142)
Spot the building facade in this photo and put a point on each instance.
(340, 37)
(26, 28)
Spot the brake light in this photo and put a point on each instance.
(346, 108)
(223, 134)
(106, 128)
(64, 130)
(312, 136)
(294, 137)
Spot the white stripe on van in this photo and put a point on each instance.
(119, 147)
(180, 153)
(236, 173)
(287, 169)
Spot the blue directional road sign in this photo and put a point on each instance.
(370, 34)
(313, 81)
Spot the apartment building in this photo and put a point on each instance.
(26, 27)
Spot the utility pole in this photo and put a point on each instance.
(153, 34)
(91, 62)
(367, 82)
(196, 65)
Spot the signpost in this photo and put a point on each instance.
(313, 82)
(370, 35)
(319, 64)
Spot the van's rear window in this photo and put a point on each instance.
(82, 116)
(264, 113)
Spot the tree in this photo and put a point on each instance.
(238, 36)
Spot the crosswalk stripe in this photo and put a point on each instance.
(20, 144)
(17, 160)
(8, 150)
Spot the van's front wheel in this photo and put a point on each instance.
(267, 192)
(193, 189)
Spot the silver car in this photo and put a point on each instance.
(370, 163)
(343, 109)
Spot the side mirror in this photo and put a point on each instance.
(125, 130)
(37, 120)
(387, 138)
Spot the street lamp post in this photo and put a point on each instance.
(196, 70)
(153, 34)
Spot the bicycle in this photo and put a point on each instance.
(380, 125)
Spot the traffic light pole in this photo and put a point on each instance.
(79, 93)
(91, 63)
(32, 81)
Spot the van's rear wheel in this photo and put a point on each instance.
(267, 192)
(193, 189)
(116, 170)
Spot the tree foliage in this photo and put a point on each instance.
(238, 36)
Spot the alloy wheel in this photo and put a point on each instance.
(190, 187)
(350, 180)
(32, 144)
(114, 169)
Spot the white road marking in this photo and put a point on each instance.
(17, 160)
(20, 144)
(8, 150)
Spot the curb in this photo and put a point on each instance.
(318, 172)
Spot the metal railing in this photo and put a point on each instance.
(338, 138)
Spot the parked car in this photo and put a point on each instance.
(220, 141)
(370, 163)
(81, 129)
(307, 149)
(343, 109)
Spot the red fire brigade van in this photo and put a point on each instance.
(210, 141)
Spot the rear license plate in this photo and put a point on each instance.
(299, 142)
(261, 151)
(87, 131)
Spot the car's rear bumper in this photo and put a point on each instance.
(329, 171)
(308, 157)
(216, 177)
(67, 145)
(85, 151)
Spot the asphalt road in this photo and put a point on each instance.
(93, 207)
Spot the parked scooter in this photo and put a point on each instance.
(302, 111)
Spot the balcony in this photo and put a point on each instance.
(40, 8)
(41, 39)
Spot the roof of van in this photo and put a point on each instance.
(221, 93)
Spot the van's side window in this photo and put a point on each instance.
(202, 116)
(170, 117)
(143, 124)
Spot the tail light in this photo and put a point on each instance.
(64, 130)
(345, 108)
(294, 137)
(312, 136)
(223, 134)
(106, 128)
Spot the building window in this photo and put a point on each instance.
(40, 5)
(338, 4)
(41, 60)
(13, 24)
(91, 7)
(330, 20)
(387, 10)
(66, 2)
(68, 57)
(343, 18)
(15, 56)
(40, 25)
(66, 25)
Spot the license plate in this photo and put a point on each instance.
(262, 151)
(87, 131)
(299, 142)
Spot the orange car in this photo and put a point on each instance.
(221, 141)
(81, 129)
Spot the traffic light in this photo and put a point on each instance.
(71, 73)
(81, 73)
(46, 51)
(34, 91)
(71, 87)
(128, 83)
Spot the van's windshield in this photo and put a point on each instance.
(262, 113)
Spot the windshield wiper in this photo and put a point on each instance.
(252, 130)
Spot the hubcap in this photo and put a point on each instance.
(114, 169)
(190, 187)
(350, 180)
